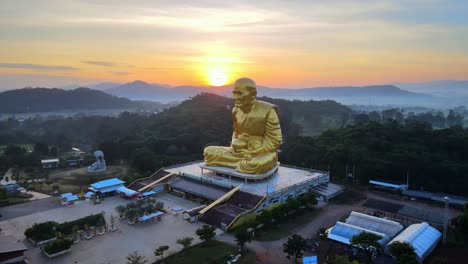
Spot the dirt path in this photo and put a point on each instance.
(271, 252)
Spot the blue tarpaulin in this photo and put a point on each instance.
(65, 195)
(148, 217)
(89, 194)
(126, 191)
(148, 193)
(107, 183)
(72, 198)
(309, 260)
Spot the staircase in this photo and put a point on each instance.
(223, 215)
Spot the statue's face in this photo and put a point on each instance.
(242, 96)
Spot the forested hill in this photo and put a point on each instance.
(30, 100)
(434, 160)
(204, 111)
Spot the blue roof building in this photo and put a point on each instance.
(109, 185)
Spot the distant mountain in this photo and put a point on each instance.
(375, 95)
(104, 86)
(99, 86)
(441, 88)
(30, 100)
(139, 90)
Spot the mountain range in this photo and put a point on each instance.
(32, 100)
(376, 94)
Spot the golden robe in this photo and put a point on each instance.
(258, 131)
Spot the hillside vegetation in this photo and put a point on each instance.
(30, 100)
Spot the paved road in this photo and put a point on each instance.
(18, 210)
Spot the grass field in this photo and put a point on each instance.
(210, 252)
(74, 180)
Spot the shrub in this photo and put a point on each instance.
(57, 246)
(92, 220)
(42, 231)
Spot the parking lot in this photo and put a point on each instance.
(111, 247)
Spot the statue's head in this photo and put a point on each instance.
(244, 92)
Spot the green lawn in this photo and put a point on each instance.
(285, 228)
(209, 252)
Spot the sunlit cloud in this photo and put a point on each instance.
(288, 43)
(101, 63)
(120, 73)
(39, 67)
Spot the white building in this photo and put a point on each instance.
(49, 163)
(422, 237)
(357, 223)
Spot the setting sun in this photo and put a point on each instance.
(217, 76)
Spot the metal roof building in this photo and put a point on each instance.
(357, 223)
(377, 224)
(343, 233)
(109, 185)
(422, 237)
(389, 185)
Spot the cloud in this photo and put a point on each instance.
(40, 67)
(120, 73)
(101, 63)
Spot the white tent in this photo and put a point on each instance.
(343, 233)
(422, 237)
(377, 224)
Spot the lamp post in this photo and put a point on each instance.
(446, 217)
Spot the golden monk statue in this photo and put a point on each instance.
(256, 136)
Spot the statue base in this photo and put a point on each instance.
(96, 170)
(233, 173)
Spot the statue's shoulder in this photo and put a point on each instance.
(261, 105)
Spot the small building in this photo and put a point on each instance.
(74, 162)
(422, 237)
(11, 250)
(388, 185)
(357, 223)
(193, 214)
(107, 186)
(50, 163)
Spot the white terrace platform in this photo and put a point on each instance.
(283, 178)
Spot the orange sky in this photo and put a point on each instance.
(277, 43)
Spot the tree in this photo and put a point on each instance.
(294, 247)
(343, 260)
(368, 243)
(135, 258)
(185, 242)
(206, 232)
(307, 199)
(160, 251)
(41, 148)
(403, 252)
(242, 237)
(264, 218)
(159, 206)
(322, 233)
(292, 205)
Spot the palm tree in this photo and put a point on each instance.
(135, 258)
(185, 242)
(160, 251)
